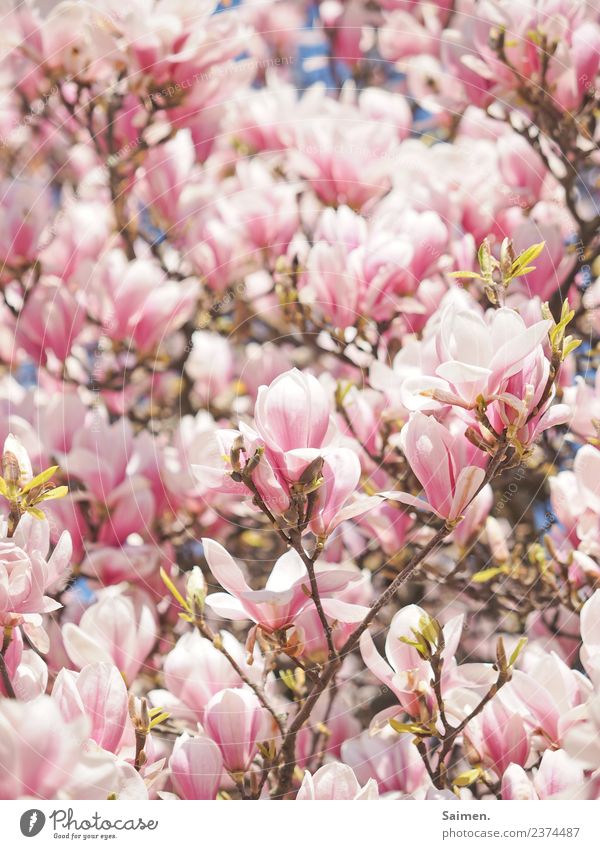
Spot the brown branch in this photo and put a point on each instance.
(10, 691)
(309, 562)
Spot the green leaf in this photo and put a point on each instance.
(57, 492)
(39, 480)
(522, 271)
(528, 255)
(287, 676)
(488, 574)
(173, 590)
(472, 275)
(467, 778)
(420, 646)
(409, 728)
(430, 629)
(570, 345)
(158, 719)
(519, 648)
(35, 512)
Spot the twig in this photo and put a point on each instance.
(3, 668)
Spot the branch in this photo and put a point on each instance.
(10, 691)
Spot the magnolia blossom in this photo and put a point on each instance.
(196, 766)
(389, 759)
(99, 693)
(500, 736)
(336, 781)
(410, 677)
(477, 355)
(557, 777)
(296, 366)
(286, 593)
(114, 630)
(195, 670)
(25, 574)
(440, 460)
(26, 669)
(44, 755)
(24, 210)
(293, 417)
(236, 721)
(294, 429)
(544, 693)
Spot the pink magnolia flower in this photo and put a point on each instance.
(516, 784)
(293, 414)
(26, 576)
(585, 466)
(210, 364)
(388, 758)
(500, 736)
(260, 363)
(544, 223)
(107, 565)
(339, 720)
(355, 271)
(522, 169)
(334, 501)
(336, 781)
(410, 677)
(119, 471)
(99, 693)
(571, 69)
(50, 322)
(477, 355)
(236, 721)
(136, 302)
(584, 403)
(388, 525)
(27, 671)
(475, 517)
(590, 637)
(324, 151)
(114, 630)
(196, 767)
(544, 692)
(195, 670)
(344, 618)
(24, 212)
(216, 250)
(581, 738)
(294, 427)
(264, 208)
(286, 593)
(44, 756)
(167, 168)
(440, 460)
(557, 775)
(211, 466)
(518, 405)
(81, 234)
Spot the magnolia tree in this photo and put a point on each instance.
(300, 492)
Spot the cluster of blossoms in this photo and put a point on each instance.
(292, 390)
